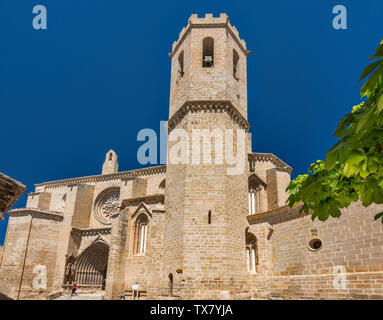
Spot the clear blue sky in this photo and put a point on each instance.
(100, 73)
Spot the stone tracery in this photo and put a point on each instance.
(110, 205)
(107, 204)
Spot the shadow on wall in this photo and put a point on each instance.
(4, 297)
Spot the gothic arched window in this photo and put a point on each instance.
(251, 252)
(208, 52)
(141, 231)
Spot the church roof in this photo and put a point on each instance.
(10, 191)
(268, 157)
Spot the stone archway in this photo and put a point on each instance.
(91, 266)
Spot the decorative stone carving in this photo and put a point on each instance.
(70, 270)
(110, 206)
(107, 204)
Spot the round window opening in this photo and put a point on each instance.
(107, 204)
(315, 244)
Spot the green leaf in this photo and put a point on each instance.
(373, 165)
(343, 154)
(366, 121)
(366, 198)
(379, 215)
(342, 126)
(334, 211)
(378, 53)
(371, 67)
(349, 169)
(380, 103)
(371, 83)
(312, 167)
(331, 157)
(355, 157)
(354, 196)
(353, 169)
(323, 212)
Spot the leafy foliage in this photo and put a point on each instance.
(353, 169)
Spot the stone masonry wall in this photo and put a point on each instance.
(30, 252)
(352, 244)
(13, 255)
(217, 83)
(145, 269)
(210, 257)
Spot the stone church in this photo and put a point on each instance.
(185, 231)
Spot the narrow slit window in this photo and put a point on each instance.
(235, 64)
(209, 217)
(181, 64)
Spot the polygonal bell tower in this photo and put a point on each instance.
(209, 64)
(206, 207)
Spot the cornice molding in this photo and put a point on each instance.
(257, 180)
(253, 219)
(92, 231)
(37, 213)
(268, 157)
(10, 191)
(208, 106)
(126, 175)
(155, 197)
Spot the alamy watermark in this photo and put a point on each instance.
(195, 147)
(39, 282)
(340, 20)
(40, 20)
(340, 279)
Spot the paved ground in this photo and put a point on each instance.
(81, 297)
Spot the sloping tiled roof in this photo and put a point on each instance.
(10, 191)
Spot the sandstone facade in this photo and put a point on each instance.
(187, 230)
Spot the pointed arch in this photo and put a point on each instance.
(208, 52)
(251, 252)
(92, 264)
(141, 233)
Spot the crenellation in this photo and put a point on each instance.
(209, 21)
